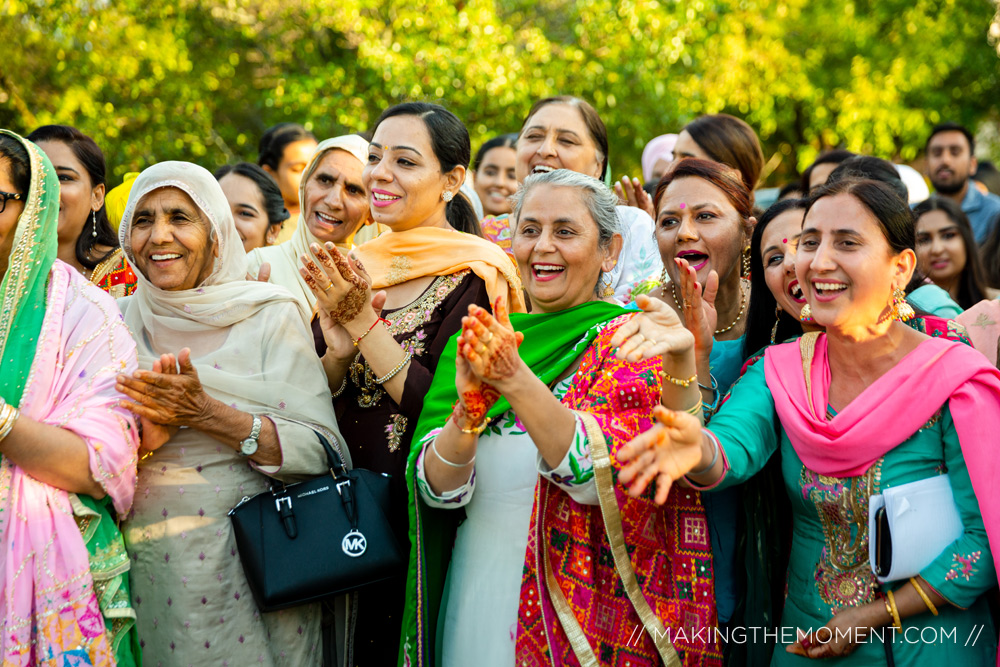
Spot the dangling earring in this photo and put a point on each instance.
(777, 321)
(447, 196)
(746, 262)
(900, 309)
(94, 217)
(664, 279)
(607, 290)
(806, 314)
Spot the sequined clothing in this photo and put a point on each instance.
(115, 276)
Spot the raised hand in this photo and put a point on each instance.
(339, 290)
(489, 344)
(666, 452)
(475, 397)
(263, 274)
(656, 331)
(632, 194)
(166, 397)
(700, 316)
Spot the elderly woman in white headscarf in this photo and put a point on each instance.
(334, 208)
(231, 392)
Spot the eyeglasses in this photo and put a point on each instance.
(4, 196)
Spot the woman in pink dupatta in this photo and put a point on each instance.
(67, 449)
(869, 405)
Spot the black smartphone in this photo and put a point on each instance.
(883, 543)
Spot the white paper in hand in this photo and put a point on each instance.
(923, 521)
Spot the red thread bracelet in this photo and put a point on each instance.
(381, 319)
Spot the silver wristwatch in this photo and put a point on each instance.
(248, 447)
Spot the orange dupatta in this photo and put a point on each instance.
(397, 257)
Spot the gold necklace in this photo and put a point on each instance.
(739, 316)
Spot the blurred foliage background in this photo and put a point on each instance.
(183, 79)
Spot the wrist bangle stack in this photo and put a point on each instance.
(923, 595)
(695, 410)
(391, 374)
(446, 461)
(714, 405)
(359, 338)
(475, 430)
(680, 383)
(715, 459)
(8, 417)
(893, 611)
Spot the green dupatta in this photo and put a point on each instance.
(552, 342)
(23, 292)
(23, 301)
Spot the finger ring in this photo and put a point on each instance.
(487, 340)
(641, 336)
(481, 348)
(328, 287)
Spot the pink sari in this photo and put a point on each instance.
(935, 373)
(49, 610)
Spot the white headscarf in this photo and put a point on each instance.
(284, 257)
(249, 341)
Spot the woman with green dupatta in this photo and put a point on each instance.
(67, 450)
(516, 430)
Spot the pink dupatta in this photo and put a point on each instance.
(892, 409)
(49, 609)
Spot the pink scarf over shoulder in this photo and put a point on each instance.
(892, 409)
(48, 607)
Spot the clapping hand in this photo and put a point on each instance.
(670, 449)
(700, 316)
(165, 397)
(489, 344)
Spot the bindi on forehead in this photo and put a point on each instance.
(682, 205)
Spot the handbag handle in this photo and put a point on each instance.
(333, 459)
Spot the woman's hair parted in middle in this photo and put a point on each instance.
(721, 175)
(972, 283)
(599, 200)
(452, 147)
(274, 203)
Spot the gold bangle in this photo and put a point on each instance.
(475, 430)
(8, 418)
(896, 623)
(145, 456)
(680, 383)
(696, 409)
(923, 596)
(343, 386)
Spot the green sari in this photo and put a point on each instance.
(23, 307)
(552, 342)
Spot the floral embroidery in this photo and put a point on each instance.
(843, 574)
(963, 566)
(403, 322)
(399, 270)
(395, 430)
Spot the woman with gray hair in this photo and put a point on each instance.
(507, 431)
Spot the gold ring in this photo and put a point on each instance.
(642, 336)
(328, 287)
(487, 340)
(481, 349)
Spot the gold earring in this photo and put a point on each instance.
(746, 262)
(607, 290)
(806, 314)
(777, 321)
(900, 309)
(664, 279)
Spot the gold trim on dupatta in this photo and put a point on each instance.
(807, 346)
(18, 267)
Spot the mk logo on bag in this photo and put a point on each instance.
(354, 544)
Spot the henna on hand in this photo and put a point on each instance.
(496, 357)
(354, 301)
(474, 404)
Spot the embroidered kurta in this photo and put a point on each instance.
(829, 568)
(378, 433)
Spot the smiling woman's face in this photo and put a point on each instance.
(696, 221)
(777, 244)
(171, 241)
(556, 137)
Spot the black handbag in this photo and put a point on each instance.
(307, 541)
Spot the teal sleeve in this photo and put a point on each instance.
(746, 426)
(964, 570)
